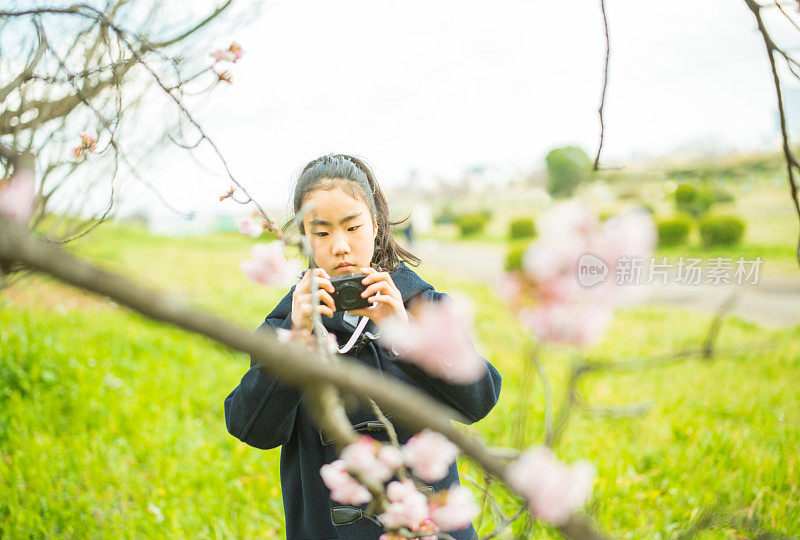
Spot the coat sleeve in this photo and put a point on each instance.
(473, 400)
(261, 411)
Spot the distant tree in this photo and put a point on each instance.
(76, 83)
(566, 168)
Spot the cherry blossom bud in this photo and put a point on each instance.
(364, 457)
(235, 51)
(268, 264)
(455, 509)
(426, 525)
(250, 227)
(429, 454)
(407, 506)
(89, 142)
(553, 490)
(16, 196)
(344, 488)
(436, 340)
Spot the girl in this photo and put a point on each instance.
(349, 232)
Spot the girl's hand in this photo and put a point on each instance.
(301, 299)
(381, 289)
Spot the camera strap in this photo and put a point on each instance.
(357, 332)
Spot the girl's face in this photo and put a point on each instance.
(341, 231)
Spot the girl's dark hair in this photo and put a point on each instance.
(356, 178)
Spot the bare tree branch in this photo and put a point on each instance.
(792, 164)
(88, 75)
(195, 28)
(27, 73)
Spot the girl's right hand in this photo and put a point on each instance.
(301, 299)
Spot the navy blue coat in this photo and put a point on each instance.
(266, 414)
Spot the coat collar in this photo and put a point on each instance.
(406, 280)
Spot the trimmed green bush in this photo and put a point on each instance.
(514, 255)
(692, 200)
(566, 168)
(722, 195)
(685, 194)
(521, 228)
(721, 230)
(673, 231)
(472, 224)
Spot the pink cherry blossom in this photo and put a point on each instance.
(221, 56)
(629, 233)
(509, 286)
(407, 506)
(371, 458)
(455, 510)
(285, 335)
(560, 295)
(553, 490)
(390, 456)
(426, 526)
(344, 488)
(236, 51)
(250, 226)
(429, 454)
(578, 324)
(568, 219)
(437, 341)
(566, 231)
(269, 266)
(233, 53)
(16, 197)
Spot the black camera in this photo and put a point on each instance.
(347, 292)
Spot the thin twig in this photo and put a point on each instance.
(505, 523)
(402, 472)
(605, 84)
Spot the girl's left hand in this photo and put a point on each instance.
(381, 289)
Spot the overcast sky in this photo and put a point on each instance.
(443, 85)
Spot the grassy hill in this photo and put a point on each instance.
(113, 426)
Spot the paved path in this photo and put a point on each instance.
(772, 302)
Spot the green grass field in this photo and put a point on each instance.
(113, 426)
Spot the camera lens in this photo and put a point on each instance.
(350, 294)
